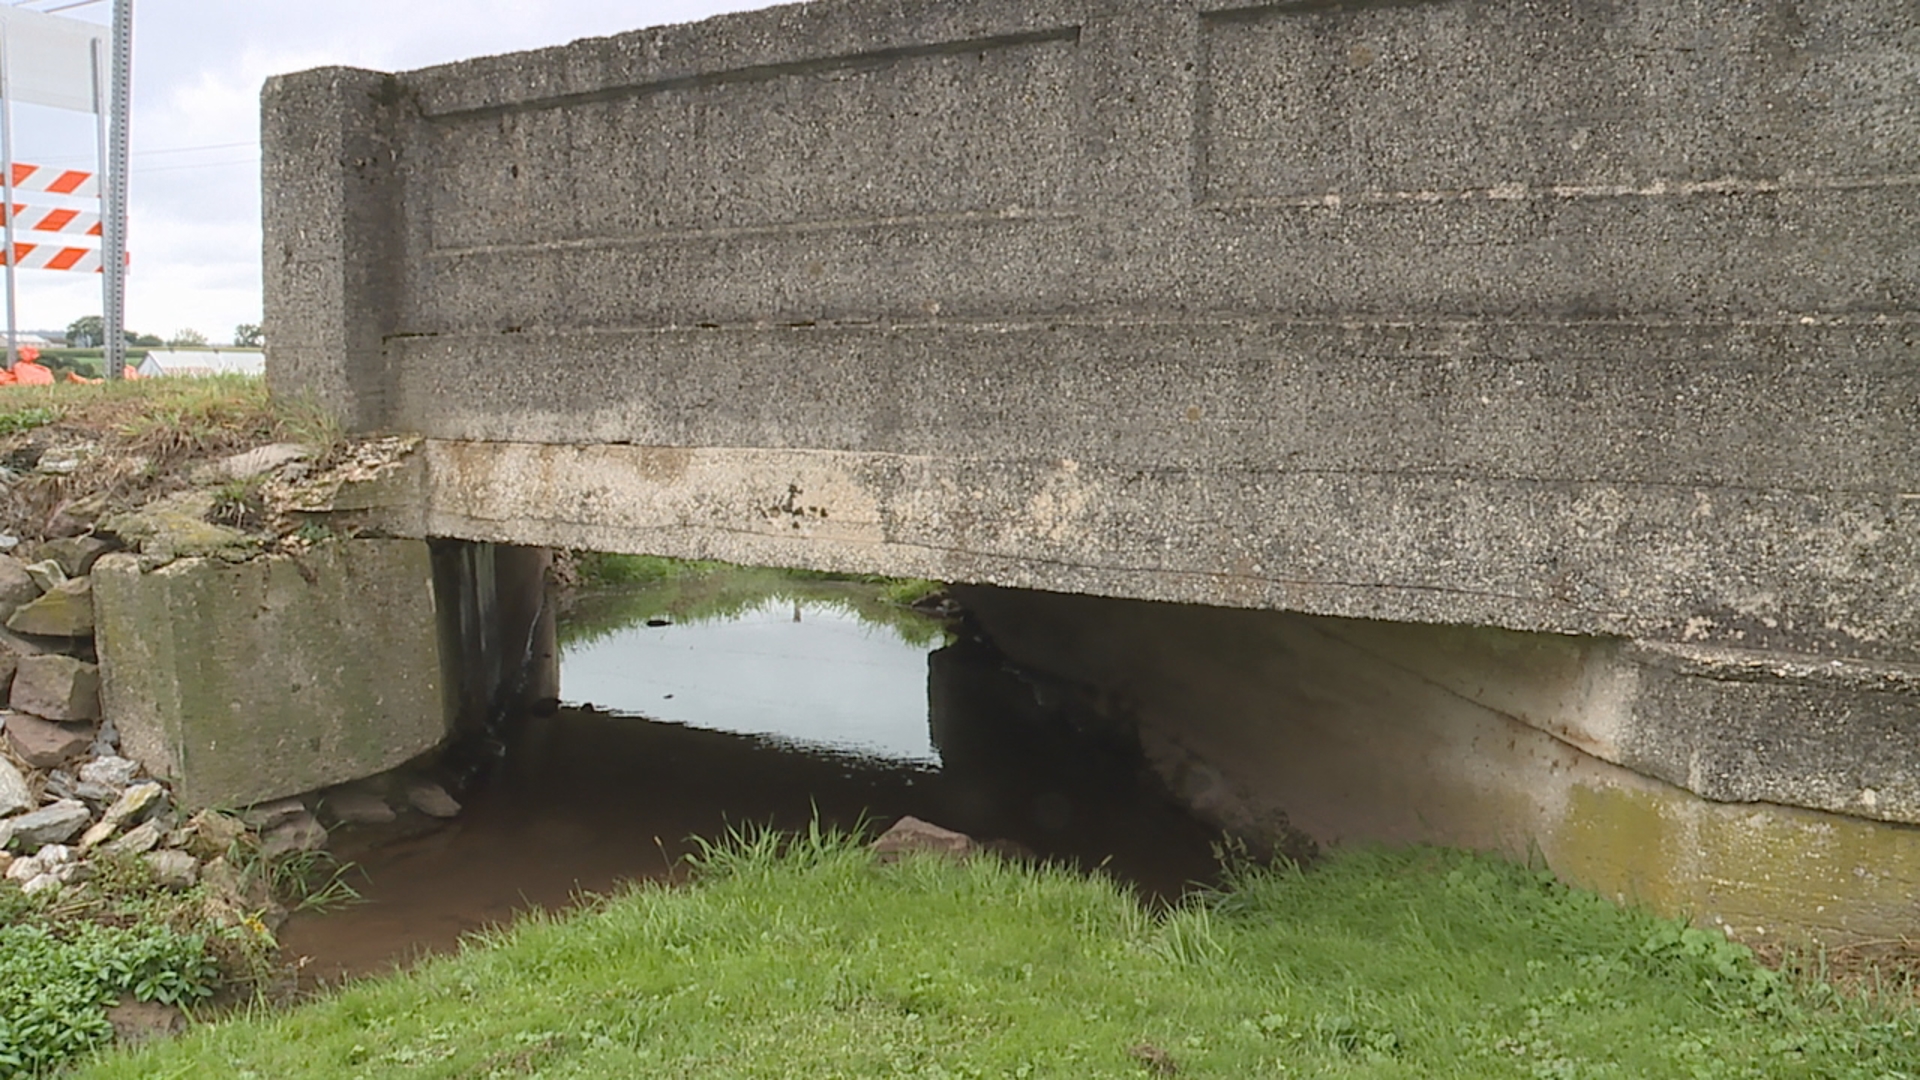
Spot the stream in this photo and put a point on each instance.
(748, 698)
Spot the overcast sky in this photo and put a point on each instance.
(197, 70)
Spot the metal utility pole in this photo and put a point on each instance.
(6, 191)
(113, 254)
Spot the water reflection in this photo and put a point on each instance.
(585, 798)
(807, 671)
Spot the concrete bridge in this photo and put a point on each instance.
(1486, 421)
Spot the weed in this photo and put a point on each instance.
(239, 504)
(312, 880)
(15, 421)
(55, 986)
(907, 592)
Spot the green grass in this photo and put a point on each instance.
(805, 959)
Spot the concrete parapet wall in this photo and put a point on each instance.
(245, 682)
(1548, 316)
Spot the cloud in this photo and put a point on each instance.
(198, 67)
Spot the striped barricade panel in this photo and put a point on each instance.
(55, 257)
(56, 181)
(55, 220)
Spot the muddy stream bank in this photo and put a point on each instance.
(751, 699)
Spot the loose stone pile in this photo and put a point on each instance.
(68, 794)
(62, 779)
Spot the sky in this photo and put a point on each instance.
(194, 222)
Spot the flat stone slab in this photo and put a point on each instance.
(115, 773)
(251, 463)
(431, 799)
(65, 611)
(57, 688)
(913, 834)
(76, 554)
(55, 824)
(262, 817)
(45, 744)
(302, 833)
(353, 806)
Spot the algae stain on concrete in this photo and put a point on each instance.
(247, 682)
(1760, 870)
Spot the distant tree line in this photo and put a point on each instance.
(90, 332)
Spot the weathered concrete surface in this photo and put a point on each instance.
(244, 682)
(1357, 731)
(1538, 315)
(1573, 319)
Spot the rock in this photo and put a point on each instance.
(40, 884)
(431, 799)
(136, 1022)
(54, 824)
(211, 834)
(76, 554)
(1153, 1059)
(60, 785)
(9, 663)
(113, 772)
(176, 527)
(223, 882)
(136, 804)
(303, 833)
(107, 742)
(912, 834)
(93, 794)
(18, 646)
(46, 575)
(15, 796)
(16, 586)
(264, 816)
(6, 863)
(63, 460)
(174, 869)
(44, 744)
(65, 611)
(57, 688)
(251, 463)
(72, 873)
(25, 869)
(357, 806)
(140, 839)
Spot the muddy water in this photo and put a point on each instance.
(775, 704)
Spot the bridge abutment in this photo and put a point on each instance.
(1528, 394)
(1532, 745)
